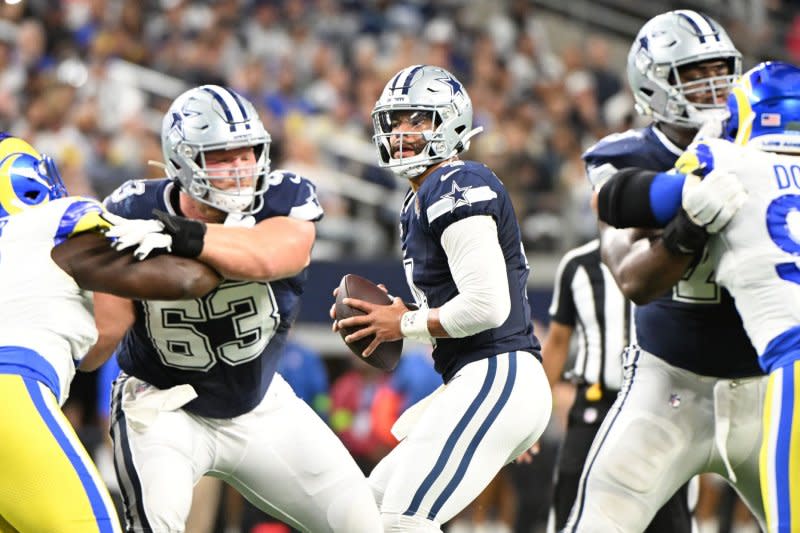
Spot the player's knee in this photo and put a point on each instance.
(398, 523)
(354, 511)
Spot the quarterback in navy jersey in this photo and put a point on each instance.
(692, 397)
(467, 271)
(198, 393)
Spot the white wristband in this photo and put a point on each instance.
(414, 324)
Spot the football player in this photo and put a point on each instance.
(199, 393)
(692, 397)
(750, 196)
(467, 270)
(52, 254)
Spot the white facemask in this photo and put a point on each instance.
(233, 200)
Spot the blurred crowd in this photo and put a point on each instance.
(87, 80)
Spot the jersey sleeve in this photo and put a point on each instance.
(80, 216)
(291, 195)
(562, 308)
(458, 192)
(126, 200)
(698, 159)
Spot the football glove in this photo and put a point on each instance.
(146, 235)
(711, 202)
(187, 235)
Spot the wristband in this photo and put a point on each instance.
(684, 237)
(187, 235)
(414, 324)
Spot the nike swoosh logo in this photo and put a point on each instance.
(449, 174)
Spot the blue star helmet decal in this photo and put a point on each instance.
(177, 123)
(458, 196)
(454, 84)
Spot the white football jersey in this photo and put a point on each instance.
(41, 307)
(758, 252)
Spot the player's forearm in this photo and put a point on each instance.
(555, 350)
(274, 249)
(113, 317)
(95, 266)
(639, 198)
(643, 268)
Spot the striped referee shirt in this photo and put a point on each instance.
(586, 297)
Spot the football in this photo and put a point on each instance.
(387, 355)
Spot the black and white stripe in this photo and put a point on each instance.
(586, 296)
(129, 484)
(703, 26)
(231, 104)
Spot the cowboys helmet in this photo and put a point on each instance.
(436, 94)
(670, 41)
(209, 118)
(764, 108)
(27, 179)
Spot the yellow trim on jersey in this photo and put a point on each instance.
(764, 465)
(41, 488)
(92, 221)
(794, 453)
(688, 162)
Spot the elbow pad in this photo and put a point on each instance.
(624, 200)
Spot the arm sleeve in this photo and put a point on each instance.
(478, 268)
(640, 198)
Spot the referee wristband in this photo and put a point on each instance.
(414, 324)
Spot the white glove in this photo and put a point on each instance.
(713, 201)
(146, 235)
(153, 241)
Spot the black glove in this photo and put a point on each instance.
(683, 237)
(187, 235)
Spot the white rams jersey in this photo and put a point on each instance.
(41, 307)
(757, 252)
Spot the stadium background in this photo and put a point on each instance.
(87, 81)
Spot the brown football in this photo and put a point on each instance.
(387, 355)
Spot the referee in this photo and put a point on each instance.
(588, 304)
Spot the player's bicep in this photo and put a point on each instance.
(95, 266)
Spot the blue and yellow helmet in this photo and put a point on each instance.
(764, 108)
(27, 179)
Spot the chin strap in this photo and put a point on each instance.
(470, 135)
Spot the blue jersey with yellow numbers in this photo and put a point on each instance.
(451, 193)
(695, 325)
(227, 344)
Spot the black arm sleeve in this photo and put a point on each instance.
(624, 200)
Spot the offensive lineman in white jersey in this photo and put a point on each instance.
(52, 253)
(750, 197)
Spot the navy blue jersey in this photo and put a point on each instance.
(227, 344)
(450, 193)
(695, 326)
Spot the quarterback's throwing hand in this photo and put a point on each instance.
(711, 202)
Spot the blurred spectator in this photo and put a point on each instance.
(303, 369)
(352, 396)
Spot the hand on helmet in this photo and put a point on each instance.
(711, 202)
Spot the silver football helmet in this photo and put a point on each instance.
(209, 118)
(664, 44)
(437, 94)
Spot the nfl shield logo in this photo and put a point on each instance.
(770, 119)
